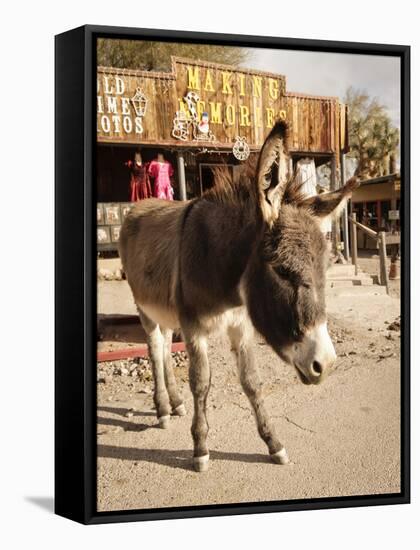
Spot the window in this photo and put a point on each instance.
(357, 208)
(385, 224)
(371, 215)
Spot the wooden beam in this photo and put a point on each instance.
(382, 260)
(353, 242)
(345, 221)
(365, 229)
(127, 353)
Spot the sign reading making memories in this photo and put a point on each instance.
(196, 102)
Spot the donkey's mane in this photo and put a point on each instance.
(226, 190)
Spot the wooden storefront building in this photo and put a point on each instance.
(199, 115)
(376, 204)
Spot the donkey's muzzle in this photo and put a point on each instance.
(314, 375)
(314, 356)
(316, 370)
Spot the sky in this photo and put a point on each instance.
(331, 74)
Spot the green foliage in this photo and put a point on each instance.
(373, 138)
(156, 56)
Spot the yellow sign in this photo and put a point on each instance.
(233, 97)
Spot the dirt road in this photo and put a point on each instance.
(343, 437)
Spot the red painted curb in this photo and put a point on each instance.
(127, 353)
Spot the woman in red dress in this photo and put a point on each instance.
(139, 179)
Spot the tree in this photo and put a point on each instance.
(156, 56)
(373, 138)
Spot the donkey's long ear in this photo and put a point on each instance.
(273, 170)
(331, 204)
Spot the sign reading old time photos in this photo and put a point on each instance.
(248, 264)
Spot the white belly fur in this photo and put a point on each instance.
(237, 316)
(165, 318)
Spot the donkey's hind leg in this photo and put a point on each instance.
(155, 344)
(175, 399)
(241, 339)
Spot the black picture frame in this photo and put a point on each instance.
(75, 274)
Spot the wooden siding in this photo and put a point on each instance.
(239, 103)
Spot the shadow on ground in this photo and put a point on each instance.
(126, 425)
(181, 459)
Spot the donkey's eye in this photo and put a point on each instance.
(282, 272)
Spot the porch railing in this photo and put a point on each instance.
(380, 238)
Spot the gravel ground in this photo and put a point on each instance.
(343, 437)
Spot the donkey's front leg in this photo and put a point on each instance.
(155, 344)
(199, 374)
(241, 339)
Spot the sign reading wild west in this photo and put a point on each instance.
(201, 103)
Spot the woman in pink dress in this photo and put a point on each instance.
(161, 170)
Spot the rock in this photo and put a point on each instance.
(385, 356)
(395, 325)
(118, 274)
(130, 413)
(105, 274)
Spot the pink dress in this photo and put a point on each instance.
(162, 172)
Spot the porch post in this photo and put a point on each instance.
(345, 218)
(181, 176)
(335, 223)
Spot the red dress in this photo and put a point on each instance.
(162, 172)
(139, 181)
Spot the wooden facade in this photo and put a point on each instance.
(164, 109)
(317, 124)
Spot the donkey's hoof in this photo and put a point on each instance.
(201, 463)
(280, 457)
(164, 421)
(180, 410)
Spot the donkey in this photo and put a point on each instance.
(246, 255)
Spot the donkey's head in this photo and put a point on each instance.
(285, 282)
